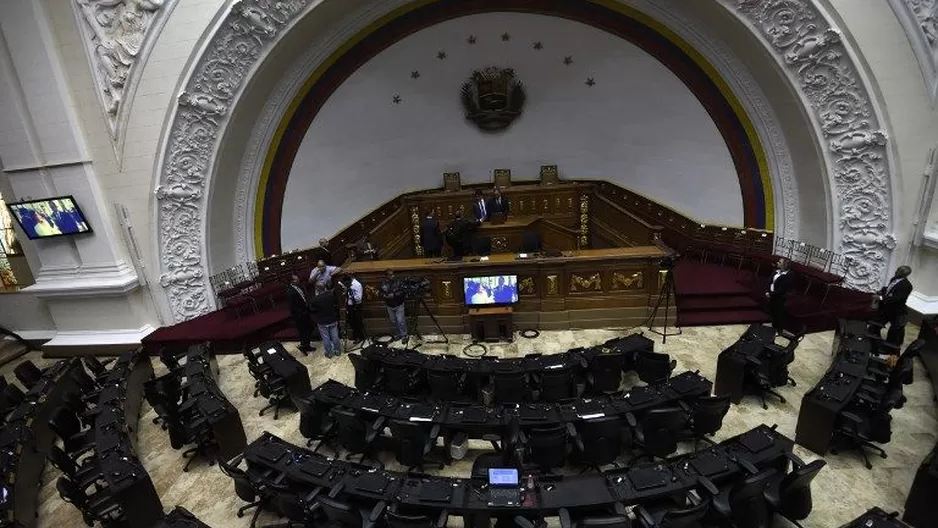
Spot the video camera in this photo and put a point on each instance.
(415, 287)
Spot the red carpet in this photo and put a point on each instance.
(227, 332)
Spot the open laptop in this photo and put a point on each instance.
(504, 490)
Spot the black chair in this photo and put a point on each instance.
(355, 434)
(666, 514)
(396, 519)
(413, 441)
(705, 415)
(163, 395)
(13, 396)
(779, 373)
(346, 515)
(99, 507)
(97, 367)
(556, 384)
(790, 495)
(604, 373)
(367, 372)
(245, 489)
(28, 373)
(598, 441)
(619, 519)
(316, 424)
(653, 367)
(658, 431)
(82, 474)
(402, 380)
(857, 431)
(546, 446)
(198, 431)
(762, 374)
(447, 385)
(299, 508)
(67, 426)
(510, 386)
(743, 504)
(269, 386)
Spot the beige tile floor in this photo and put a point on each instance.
(843, 489)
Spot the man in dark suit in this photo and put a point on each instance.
(498, 204)
(299, 310)
(322, 252)
(430, 237)
(325, 313)
(892, 301)
(64, 220)
(778, 293)
(480, 208)
(366, 249)
(459, 235)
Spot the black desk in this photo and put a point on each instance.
(181, 518)
(541, 495)
(199, 385)
(920, 504)
(877, 518)
(26, 440)
(731, 364)
(478, 420)
(288, 368)
(821, 406)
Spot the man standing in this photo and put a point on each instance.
(321, 276)
(64, 220)
(322, 252)
(430, 237)
(480, 209)
(892, 301)
(393, 294)
(326, 317)
(458, 235)
(504, 294)
(353, 307)
(366, 249)
(499, 205)
(778, 292)
(299, 310)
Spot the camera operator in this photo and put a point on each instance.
(392, 291)
(353, 306)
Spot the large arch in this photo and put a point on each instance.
(252, 33)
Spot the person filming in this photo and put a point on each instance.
(392, 291)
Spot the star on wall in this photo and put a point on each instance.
(590, 82)
(538, 45)
(506, 37)
(396, 99)
(415, 74)
(568, 60)
(471, 39)
(441, 54)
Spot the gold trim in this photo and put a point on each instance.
(579, 283)
(552, 287)
(446, 288)
(526, 286)
(625, 281)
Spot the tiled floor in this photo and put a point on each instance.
(843, 490)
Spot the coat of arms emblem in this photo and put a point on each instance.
(492, 98)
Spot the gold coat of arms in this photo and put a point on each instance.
(492, 98)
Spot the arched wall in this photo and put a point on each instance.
(201, 128)
(637, 125)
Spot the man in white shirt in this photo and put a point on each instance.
(778, 293)
(353, 307)
(321, 276)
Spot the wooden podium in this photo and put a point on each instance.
(491, 324)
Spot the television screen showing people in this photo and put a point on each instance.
(496, 289)
(49, 218)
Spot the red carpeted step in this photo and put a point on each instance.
(713, 303)
(721, 318)
(696, 278)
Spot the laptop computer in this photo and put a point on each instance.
(504, 490)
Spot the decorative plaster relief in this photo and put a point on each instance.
(118, 35)
(815, 57)
(247, 32)
(919, 19)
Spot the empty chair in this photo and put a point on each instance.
(413, 442)
(653, 367)
(857, 431)
(163, 395)
(547, 446)
(396, 519)
(354, 433)
(99, 507)
(706, 417)
(743, 505)
(510, 386)
(244, 488)
(402, 380)
(556, 384)
(599, 441)
(83, 475)
(790, 495)
(96, 367)
(66, 425)
(658, 430)
(367, 372)
(447, 385)
(348, 516)
(604, 373)
(28, 373)
(316, 424)
(199, 432)
(269, 386)
(667, 515)
(617, 519)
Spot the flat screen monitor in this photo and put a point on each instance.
(491, 290)
(50, 217)
(503, 476)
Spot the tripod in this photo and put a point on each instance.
(348, 345)
(413, 314)
(664, 296)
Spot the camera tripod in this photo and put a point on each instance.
(664, 297)
(348, 345)
(413, 305)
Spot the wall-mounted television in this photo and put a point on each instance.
(490, 290)
(50, 217)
